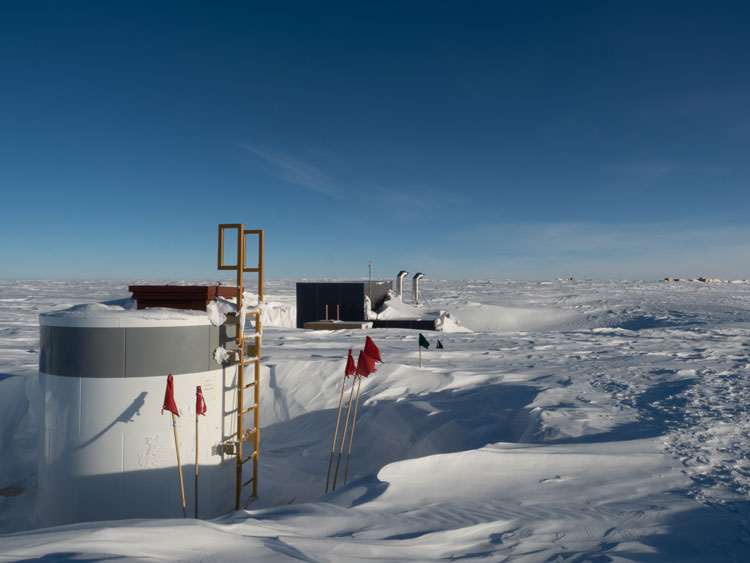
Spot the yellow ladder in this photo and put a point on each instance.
(248, 353)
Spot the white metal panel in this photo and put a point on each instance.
(122, 463)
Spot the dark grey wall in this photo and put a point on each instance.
(378, 292)
(312, 298)
(129, 352)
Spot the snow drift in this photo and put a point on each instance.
(579, 421)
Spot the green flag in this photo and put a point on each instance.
(439, 345)
(423, 341)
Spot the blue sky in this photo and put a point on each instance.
(463, 139)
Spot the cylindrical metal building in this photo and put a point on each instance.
(108, 452)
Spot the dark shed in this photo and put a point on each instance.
(312, 298)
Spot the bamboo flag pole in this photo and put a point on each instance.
(179, 463)
(343, 436)
(196, 466)
(171, 406)
(200, 408)
(335, 434)
(351, 437)
(422, 342)
(349, 370)
(365, 366)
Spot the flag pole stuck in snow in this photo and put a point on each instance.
(200, 408)
(348, 370)
(422, 344)
(365, 366)
(343, 436)
(171, 406)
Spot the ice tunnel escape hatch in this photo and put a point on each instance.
(102, 369)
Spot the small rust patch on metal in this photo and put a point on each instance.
(12, 491)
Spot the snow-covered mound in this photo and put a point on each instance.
(121, 312)
(394, 308)
(273, 313)
(493, 318)
(579, 421)
(281, 315)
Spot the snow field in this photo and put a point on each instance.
(579, 421)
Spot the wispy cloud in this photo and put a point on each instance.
(414, 202)
(658, 169)
(709, 103)
(601, 250)
(725, 111)
(647, 169)
(296, 172)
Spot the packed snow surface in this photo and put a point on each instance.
(568, 421)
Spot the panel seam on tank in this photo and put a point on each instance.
(124, 352)
(122, 459)
(208, 349)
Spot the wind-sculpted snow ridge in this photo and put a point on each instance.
(396, 309)
(713, 438)
(579, 421)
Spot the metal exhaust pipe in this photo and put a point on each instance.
(415, 286)
(400, 283)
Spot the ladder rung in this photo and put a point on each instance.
(251, 456)
(248, 409)
(252, 360)
(247, 435)
(246, 483)
(249, 385)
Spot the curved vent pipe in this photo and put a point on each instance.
(415, 286)
(400, 283)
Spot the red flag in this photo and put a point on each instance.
(200, 402)
(350, 367)
(365, 364)
(372, 350)
(169, 403)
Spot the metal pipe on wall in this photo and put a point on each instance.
(415, 286)
(400, 283)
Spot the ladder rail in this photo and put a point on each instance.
(239, 334)
(246, 358)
